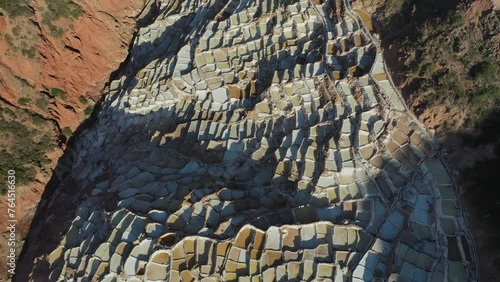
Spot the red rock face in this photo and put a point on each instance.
(92, 49)
(79, 62)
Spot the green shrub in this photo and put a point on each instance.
(426, 68)
(15, 8)
(455, 19)
(30, 53)
(67, 132)
(26, 154)
(6, 111)
(456, 44)
(88, 111)
(450, 85)
(57, 9)
(392, 7)
(56, 92)
(37, 120)
(55, 30)
(9, 39)
(483, 100)
(483, 71)
(42, 103)
(16, 30)
(24, 101)
(24, 174)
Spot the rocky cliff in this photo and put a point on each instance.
(254, 141)
(55, 58)
(77, 62)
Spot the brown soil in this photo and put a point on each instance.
(79, 63)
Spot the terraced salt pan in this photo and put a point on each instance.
(258, 140)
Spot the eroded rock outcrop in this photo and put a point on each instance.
(78, 62)
(252, 141)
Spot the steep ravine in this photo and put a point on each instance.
(55, 80)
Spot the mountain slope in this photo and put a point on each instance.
(252, 140)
